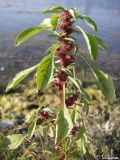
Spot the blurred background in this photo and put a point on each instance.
(16, 15)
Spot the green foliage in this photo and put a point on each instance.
(56, 9)
(91, 42)
(74, 116)
(105, 83)
(101, 43)
(16, 140)
(87, 20)
(44, 72)
(63, 124)
(81, 141)
(54, 21)
(32, 128)
(20, 77)
(28, 33)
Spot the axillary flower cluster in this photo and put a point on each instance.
(63, 53)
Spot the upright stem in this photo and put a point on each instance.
(63, 95)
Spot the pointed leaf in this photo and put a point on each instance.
(56, 9)
(81, 141)
(105, 83)
(31, 128)
(16, 140)
(54, 21)
(44, 72)
(90, 22)
(27, 33)
(101, 43)
(74, 116)
(91, 42)
(63, 125)
(74, 82)
(20, 77)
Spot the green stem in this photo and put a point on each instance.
(63, 95)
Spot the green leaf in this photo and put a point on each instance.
(52, 48)
(85, 103)
(31, 128)
(77, 83)
(16, 140)
(91, 42)
(101, 43)
(20, 77)
(63, 124)
(27, 33)
(81, 140)
(90, 22)
(54, 21)
(56, 9)
(74, 116)
(32, 116)
(45, 72)
(74, 82)
(105, 83)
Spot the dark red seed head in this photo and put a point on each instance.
(61, 75)
(75, 97)
(71, 100)
(60, 53)
(75, 129)
(68, 47)
(67, 60)
(65, 25)
(66, 16)
(70, 59)
(44, 114)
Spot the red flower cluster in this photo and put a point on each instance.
(61, 75)
(63, 52)
(66, 16)
(68, 47)
(60, 53)
(44, 114)
(66, 25)
(71, 100)
(67, 60)
(75, 129)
